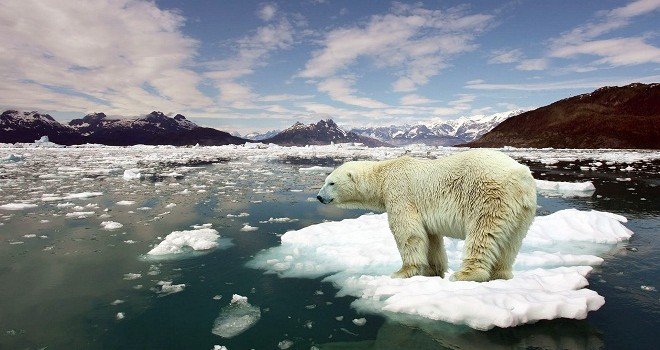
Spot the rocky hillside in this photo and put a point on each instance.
(610, 117)
(323, 132)
(437, 132)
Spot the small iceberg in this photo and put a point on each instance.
(236, 317)
(565, 189)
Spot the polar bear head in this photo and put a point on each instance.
(349, 186)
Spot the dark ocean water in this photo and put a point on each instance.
(57, 292)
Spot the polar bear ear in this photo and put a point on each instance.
(351, 176)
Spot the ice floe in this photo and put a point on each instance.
(132, 174)
(236, 317)
(565, 189)
(199, 239)
(18, 206)
(167, 288)
(358, 255)
(111, 225)
(248, 228)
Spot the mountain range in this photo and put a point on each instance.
(610, 117)
(437, 132)
(321, 133)
(154, 128)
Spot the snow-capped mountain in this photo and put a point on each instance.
(18, 126)
(155, 128)
(438, 132)
(258, 136)
(323, 132)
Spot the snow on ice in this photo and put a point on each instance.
(358, 255)
(202, 238)
(236, 317)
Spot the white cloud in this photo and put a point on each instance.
(267, 11)
(615, 51)
(563, 85)
(131, 59)
(252, 52)
(505, 56)
(533, 64)
(414, 99)
(340, 89)
(415, 41)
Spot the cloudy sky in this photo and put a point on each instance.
(253, 65)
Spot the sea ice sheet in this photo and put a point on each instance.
(358, 255)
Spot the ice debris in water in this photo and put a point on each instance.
(203, 238)
(132, 276)
(285, 344)
(248, 228)
(278, 220)
(219, 347)
(167, 288)
(120, 316)
(236, 317)
(316, 169)
(132, 174)
(82, 195)
(359, 321)
(358, 255)
(18, 206)
(565, 189)
(111, 225)
(125, 202)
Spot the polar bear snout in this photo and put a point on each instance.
(323, 196)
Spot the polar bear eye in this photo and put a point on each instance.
(331, 184)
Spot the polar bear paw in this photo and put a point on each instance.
(477, 275)
(409, 271)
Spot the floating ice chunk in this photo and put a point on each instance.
(240, 215)
(79, 214)
(565, 189)
(248, 228)
(132, 174)
(359, 321)
(648, 288)
(198, 239)
(18, 206)
(125, 202)
(171, 205)
(167, 288)
(236, 317)
(358, 255)
(117, 302)
(111, 225)
(120, 316)
(219, 347)
(285, 344)
(65, 205)
(278, 220)
(82, 195)
(316, 168)
(132, 276)
(14, 158)
(30, 235)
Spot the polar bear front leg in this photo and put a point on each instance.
(413, 244)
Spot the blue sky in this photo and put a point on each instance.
(254, 65)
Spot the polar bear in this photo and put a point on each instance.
(482, 196)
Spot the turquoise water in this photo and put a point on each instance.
(57, 292)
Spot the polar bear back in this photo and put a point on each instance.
(451, 192)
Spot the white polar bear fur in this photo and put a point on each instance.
(482, 196)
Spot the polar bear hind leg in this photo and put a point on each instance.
(437, 256)
(503, 266)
